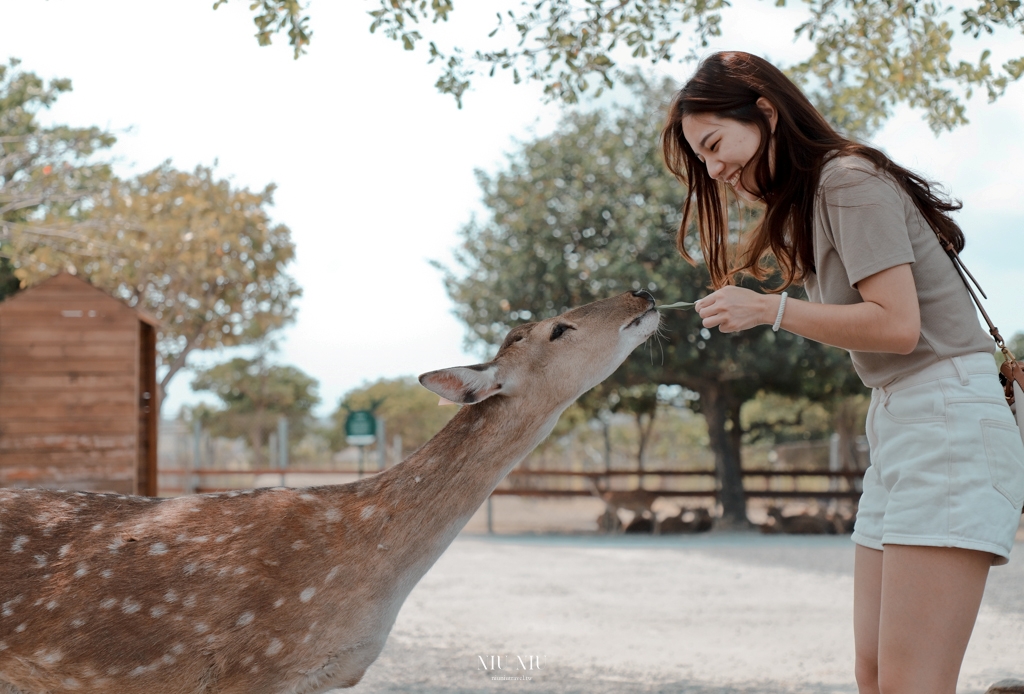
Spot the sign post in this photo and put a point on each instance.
(360, 430)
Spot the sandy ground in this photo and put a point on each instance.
(729, 613)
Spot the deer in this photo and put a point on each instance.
(280, 590)
(639, 501)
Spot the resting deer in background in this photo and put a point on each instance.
(280, 590)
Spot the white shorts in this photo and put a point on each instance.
(947, 462)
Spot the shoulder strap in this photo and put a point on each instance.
(1011, 370)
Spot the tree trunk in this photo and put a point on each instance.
(721, 410)
(645, 434)
(606, 429)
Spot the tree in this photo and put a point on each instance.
(200, 255)
(254, 395)
(408, 409)
(868, 55)
(589, 211)
(44, 171)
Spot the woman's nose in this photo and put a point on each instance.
(715, 168)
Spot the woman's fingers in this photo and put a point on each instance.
(730, 309)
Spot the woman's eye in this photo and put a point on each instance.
(714, 147)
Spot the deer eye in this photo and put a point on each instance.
(559, 330)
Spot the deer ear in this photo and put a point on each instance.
(463, 385)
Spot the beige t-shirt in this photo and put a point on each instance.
(864, 222)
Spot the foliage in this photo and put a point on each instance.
(868, 55)
(589, 211)
(273, 16)
(408, 409)
(770, 417)
(254, 395)
(44, 171)
(201, 256)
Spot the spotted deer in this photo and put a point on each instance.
(280, 590)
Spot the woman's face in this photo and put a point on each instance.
(727, 147)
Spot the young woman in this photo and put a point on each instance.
(942, 498)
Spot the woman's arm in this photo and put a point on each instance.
(888, 320)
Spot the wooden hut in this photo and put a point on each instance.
(77, 390)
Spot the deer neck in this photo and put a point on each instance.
(433, 494)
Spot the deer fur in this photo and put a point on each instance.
(280, 590)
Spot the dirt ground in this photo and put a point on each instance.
(722, 613)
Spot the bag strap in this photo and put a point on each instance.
(1010, 370)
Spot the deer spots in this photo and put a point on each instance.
(298, 544)
(201, 627)
(245, 619)
(64, 551)
(221, 538)
(307, 497)
(108, 603)
(189, 569)
(7, 609)
(331, 574)
(331, 515)
(40, 560)
(157, 611)
(200, 539)
(130, 606)
(278, 602)
(52, 605)
(307, 594)
(367, 512)
(416, 479)
(275, 647)
(190, 601)
(81, 571)
(115, 545)
(3, 646)
(78, 622)
(171, 596)
(96, 528)
(106, 573)
(19, 543)
(20, 628)
(49, 656)
(158, 548)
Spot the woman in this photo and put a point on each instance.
(942, 498)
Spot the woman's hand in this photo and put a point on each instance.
(732, 309)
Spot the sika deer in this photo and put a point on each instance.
(280, 590)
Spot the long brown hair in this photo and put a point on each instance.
(728, 85)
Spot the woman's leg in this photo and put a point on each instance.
(867, 602)
(929, 602)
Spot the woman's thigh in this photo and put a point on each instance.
(929, 602)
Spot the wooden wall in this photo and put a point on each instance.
(70, 388)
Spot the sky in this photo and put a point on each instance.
(375, 170)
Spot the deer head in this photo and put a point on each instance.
(548, 364)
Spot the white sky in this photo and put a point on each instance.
(374, 168)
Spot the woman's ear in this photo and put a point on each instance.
(769, 111)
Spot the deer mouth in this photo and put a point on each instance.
(646, 317)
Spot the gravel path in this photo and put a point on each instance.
(720, 613)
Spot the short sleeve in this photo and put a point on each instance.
(866, 220)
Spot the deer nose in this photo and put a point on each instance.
(644, 294)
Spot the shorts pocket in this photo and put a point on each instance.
(1005, 465)
(917, 404)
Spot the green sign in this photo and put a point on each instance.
(360, 428)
